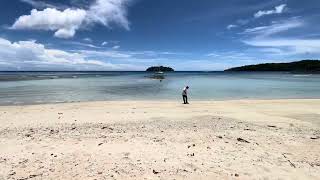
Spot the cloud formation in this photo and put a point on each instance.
(32, 55)
(109, 54)
(231, 26)
(274, 28)
(267, 38)
(88, 39)
(39, 4)
(231, 55)
(288, 46)
(66, 22)
(88, 45)
(109, 11)
(240, 22)
(116, 47)
(277, 10)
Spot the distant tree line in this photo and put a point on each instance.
(159, 68)
(298, 66)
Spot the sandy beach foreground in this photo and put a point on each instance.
(243, 139)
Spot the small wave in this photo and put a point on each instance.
(17, 102)
(302, 75)
(49, 77)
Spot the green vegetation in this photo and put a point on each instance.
(298, 66)
(159, 68)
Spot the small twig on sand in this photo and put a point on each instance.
(272, 126)
(291, 164)
(317, 137)
(242, 140)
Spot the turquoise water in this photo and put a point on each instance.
(52, 87)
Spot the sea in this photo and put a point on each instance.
(20, 88)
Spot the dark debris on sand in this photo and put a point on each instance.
(242, 140)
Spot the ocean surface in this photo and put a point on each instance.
(55, 87)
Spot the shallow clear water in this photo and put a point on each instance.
(49, 87)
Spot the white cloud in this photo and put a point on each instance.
(230, 55)
(267, 38)
(125, 54)
(274, 28)
(30, 55)
(87, 39)
(104, 43)
(288, 46)
(240, 22)
(66, 22)
(65, 33)
(82, 44)
(277, 10)
(109, 54)
(109, 11)
(272, 50)
(213, 55)
(116, 47)
(231, 26)
(38, 4)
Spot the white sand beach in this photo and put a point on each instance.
(239, 139)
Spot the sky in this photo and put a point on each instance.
(130, 35)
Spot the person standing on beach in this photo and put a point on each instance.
(185, 95)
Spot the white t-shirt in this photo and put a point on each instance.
(184, 91)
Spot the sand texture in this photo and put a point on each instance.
(243, 139)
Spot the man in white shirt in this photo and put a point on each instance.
(185, 95)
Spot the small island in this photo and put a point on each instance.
(297, 66)
(160, 68)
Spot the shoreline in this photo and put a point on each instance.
(245, 139)
(176, 101)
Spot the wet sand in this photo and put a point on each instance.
(243, 139)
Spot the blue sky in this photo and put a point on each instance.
(135, 34)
